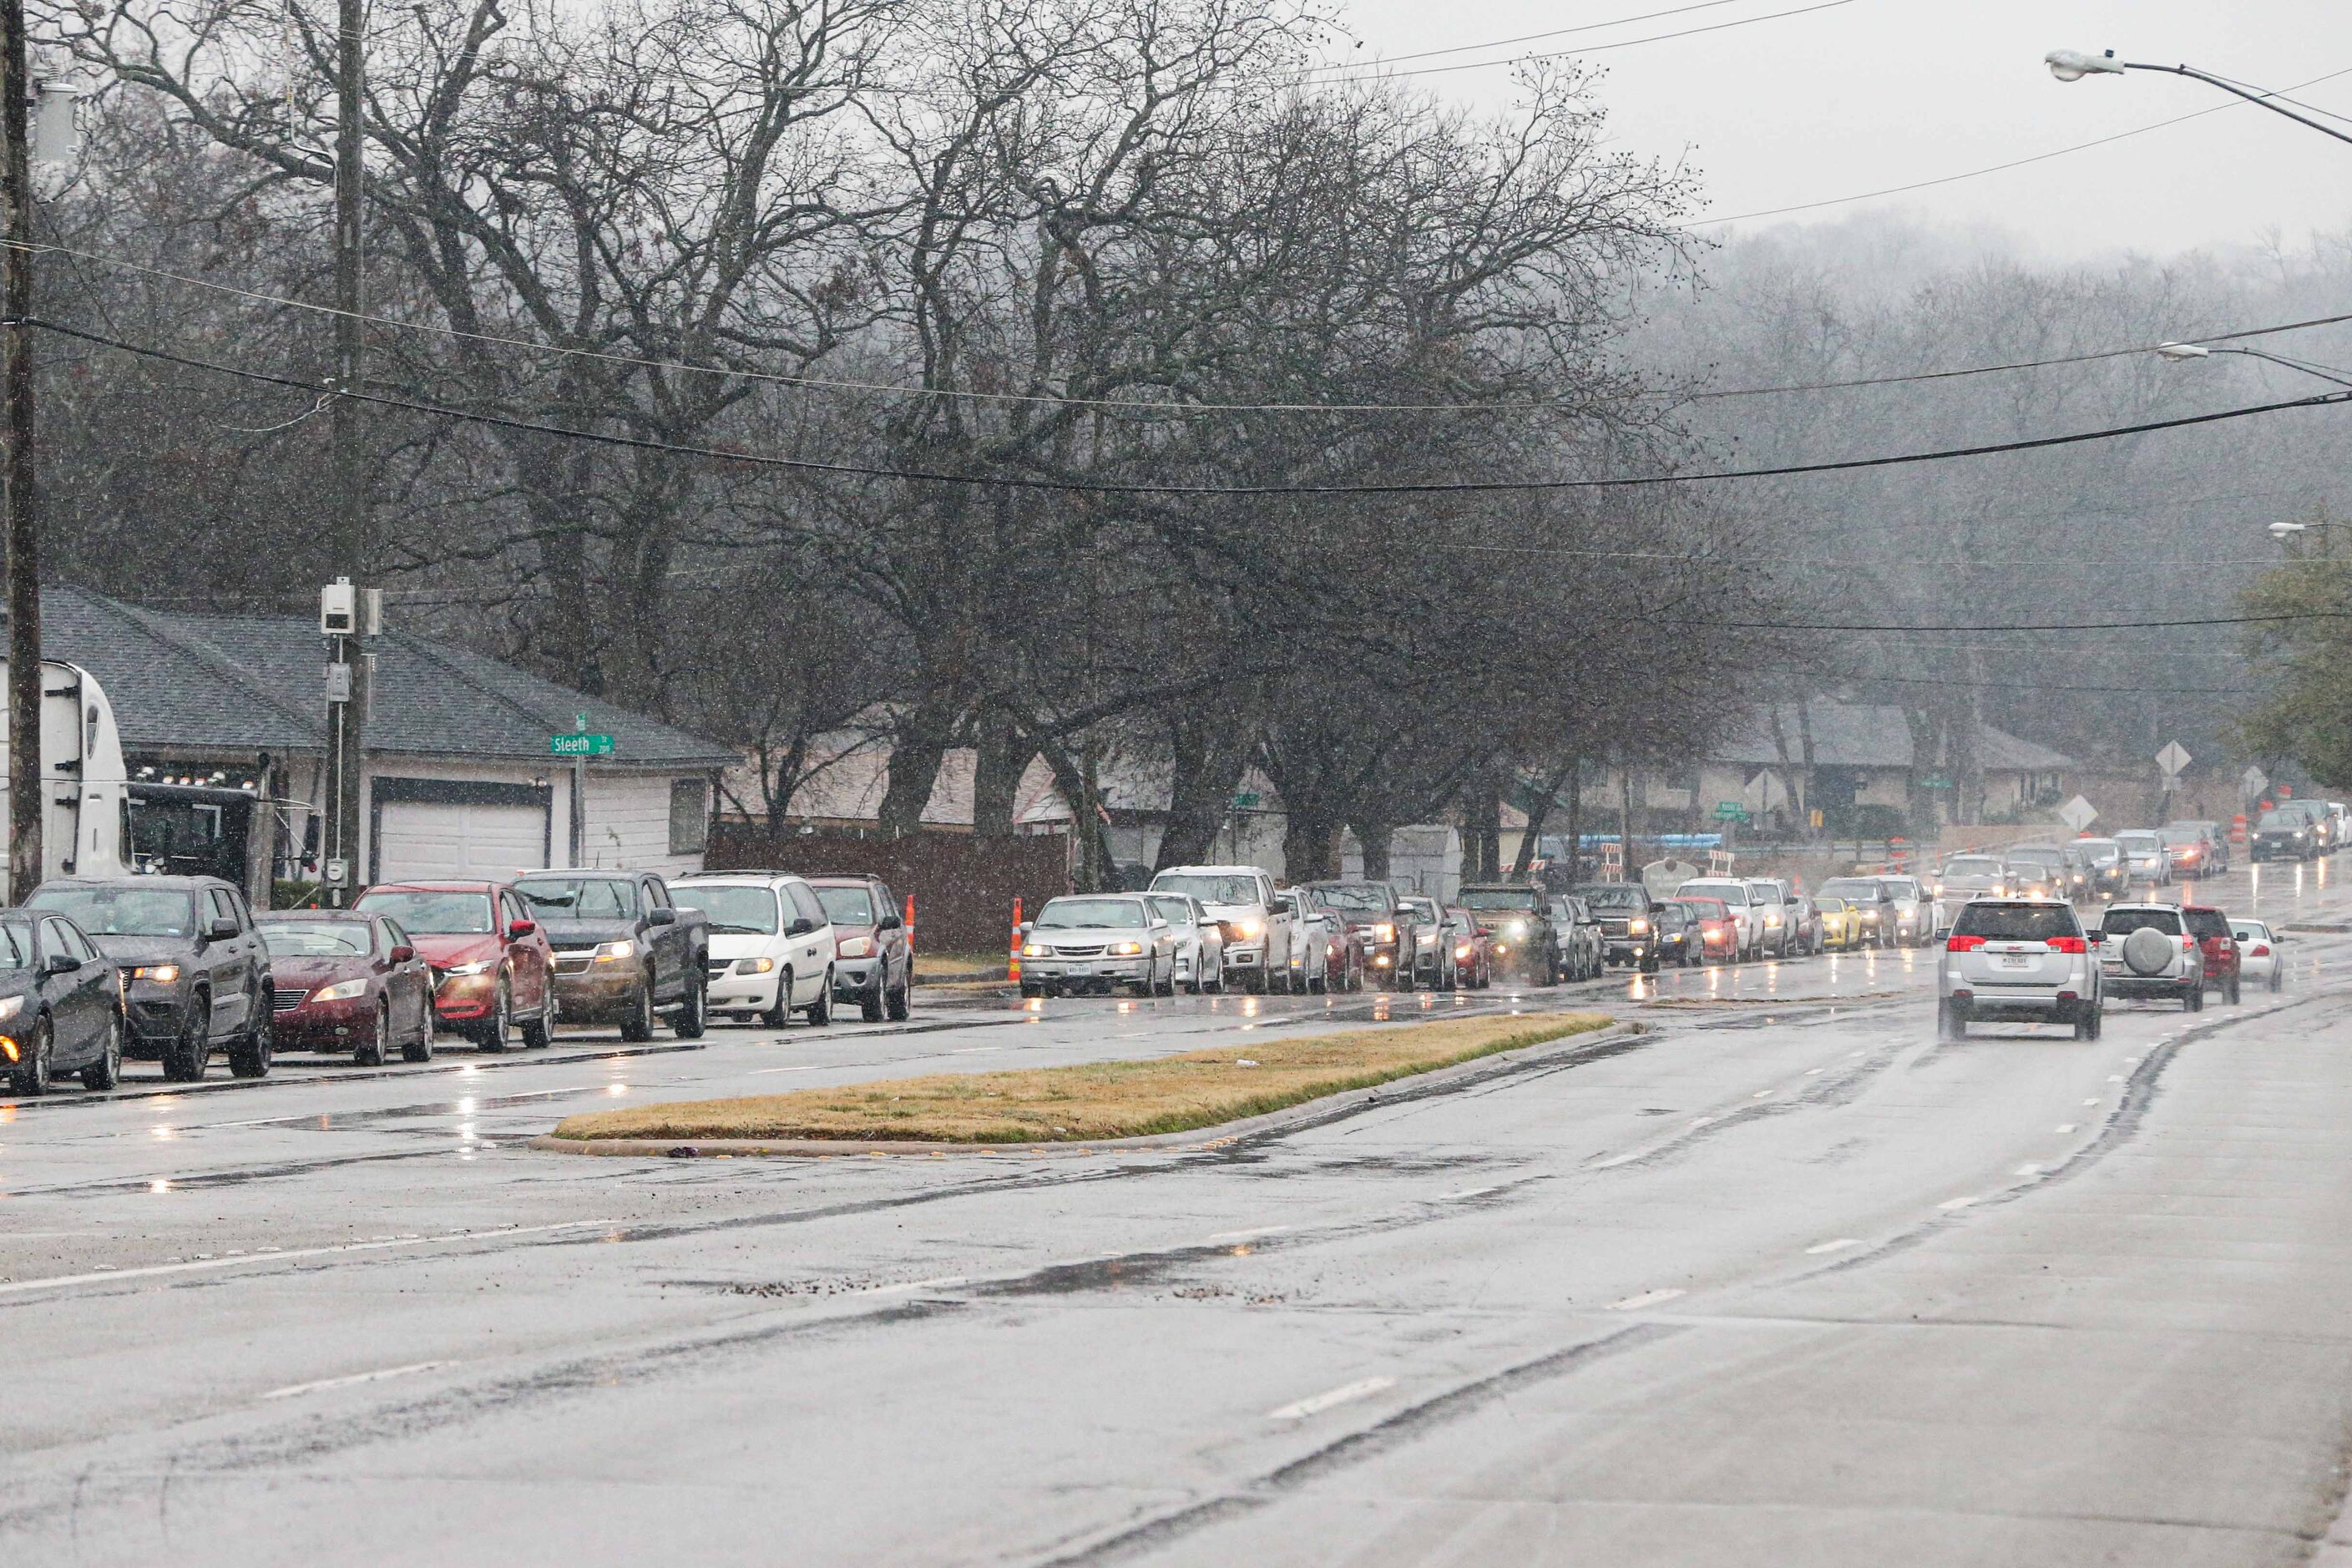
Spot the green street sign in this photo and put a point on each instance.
(1937, 782)
(580, 745)
(1730, 811)
(1247, 800)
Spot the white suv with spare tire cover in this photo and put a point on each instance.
(2145, 949)
(2018, 961)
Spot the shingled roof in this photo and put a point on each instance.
(1866, 735)
(255, 683)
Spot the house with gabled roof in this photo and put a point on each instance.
(223, 720)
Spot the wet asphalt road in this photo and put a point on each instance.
(1784, 1280)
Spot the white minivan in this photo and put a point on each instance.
(770, 945)
(1240, 900)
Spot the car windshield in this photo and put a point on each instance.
(1122, 914)
(2206, 923)
(2143, 842)
(1829, 903)
(2033, 860)
(1173, 909)
(1355, 898)
(2123, 923)
(1863, 888)
(433, 914)
(1502, 899)
(738, 910)
(2016, 922)
(2277, 819)
(1612, 895)
(1209, 890)
(317, 939)
(846, 906)
(582, 897)
(1731, 893)
(2250, 931)
(2100, 850)
(1902, 887)
(1972, 866)
(1420, 909)
(1674, 916)
(122, 911)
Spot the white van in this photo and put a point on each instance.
(1240, 900)
(772, 945)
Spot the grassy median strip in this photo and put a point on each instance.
(1100, 1100)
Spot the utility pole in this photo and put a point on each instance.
(25, 786)
(347, 719)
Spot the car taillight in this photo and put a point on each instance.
(2069, 944)
(2262, 950)
(1957, 944)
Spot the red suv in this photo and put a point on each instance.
(874, 964)
(492, 963)
(2210, 927)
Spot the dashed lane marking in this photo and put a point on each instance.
(2065, 1127)
(294, 1254)
(941, 1283)
(292, 1389)
(1840, 1244)
(1646, 1299)
(2029, 1169)
(1467, 1193)
(1224, 1236)
(1314, 1404)
(1957, 1202)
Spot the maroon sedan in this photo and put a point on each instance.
(348, 981)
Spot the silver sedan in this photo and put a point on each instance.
(1200, 941)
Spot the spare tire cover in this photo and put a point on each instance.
(2148, 951)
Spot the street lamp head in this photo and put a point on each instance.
(2287, 530)
(2074, 65)
(2184, 351)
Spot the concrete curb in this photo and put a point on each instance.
(1198, 1140)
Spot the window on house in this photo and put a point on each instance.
(689, 816)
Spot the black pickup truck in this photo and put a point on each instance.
(1629, 921)
(624, 951)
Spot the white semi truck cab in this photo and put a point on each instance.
(86, 827)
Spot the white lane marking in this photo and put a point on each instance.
(2065, 1127)
(1840, 1244)
(207, 1262)
(1811, 1072)
(1957, 1202)
(1761, 1094)
(1245, 1235)
(2029, 1169)
(2090, 1102)
(2114, 1077)
(940, 1283)
(1467, 1193)
(975, 1051)
(1646, 1299)
(1701, 1120)
(763, 1072)
(1314, 1404)
(292, 1389)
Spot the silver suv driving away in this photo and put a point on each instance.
(2018, 961)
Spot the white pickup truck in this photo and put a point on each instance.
(1241, 898)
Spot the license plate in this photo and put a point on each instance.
(2015, 961)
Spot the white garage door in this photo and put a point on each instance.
(421, 840)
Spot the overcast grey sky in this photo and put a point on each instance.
(1873, 93)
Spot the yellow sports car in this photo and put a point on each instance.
(1840, 922)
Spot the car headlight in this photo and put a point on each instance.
(1249, 925)
(161, 974)
(754, 965)
(606, 952)
(479, 966)
(857, 947)
(341, 991)
(11, 1006)
(1125, 949)
(1461, 950)
(1771, 918)
(1033, 950)
(1517, 928)
(1385, 931)
(1871, 915)
(1637, 925)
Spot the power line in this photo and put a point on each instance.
(1997, 168)
(2020, 626)
(1521, 38)
(1138, 404)
(1372, 71)
(2032, 685)
(1099, 487)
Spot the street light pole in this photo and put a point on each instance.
(25, 789)
(2074, 65)
(348, 718)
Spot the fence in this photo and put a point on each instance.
(963, 886)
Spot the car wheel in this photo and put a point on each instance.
(777, 1016)
(2277, 975)
(31, 1079)
(2098, 1020)
(1030, 992)
(492, 1037)
(540, 1032)
(1947, 1023)
(248, 1054)
(1254, 982)
(420, 1049)
(2235, 992)
(185, 1058)
(372, 1050)
(869, 1006)
(692, 1019)
(820, 1012)
(899, 1003)
(638, 1027)
(107, 1072)
(2193, 999)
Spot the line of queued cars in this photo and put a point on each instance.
(183, 970)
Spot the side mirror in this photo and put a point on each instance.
(222, 929)
(662, 917)
(515, 932)
(404, 954)
(889, 921)
(801, 925)
(1025, 928)
(62, 963)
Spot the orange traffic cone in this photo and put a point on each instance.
(1015, 968)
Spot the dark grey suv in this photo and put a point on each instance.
(195, 975)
